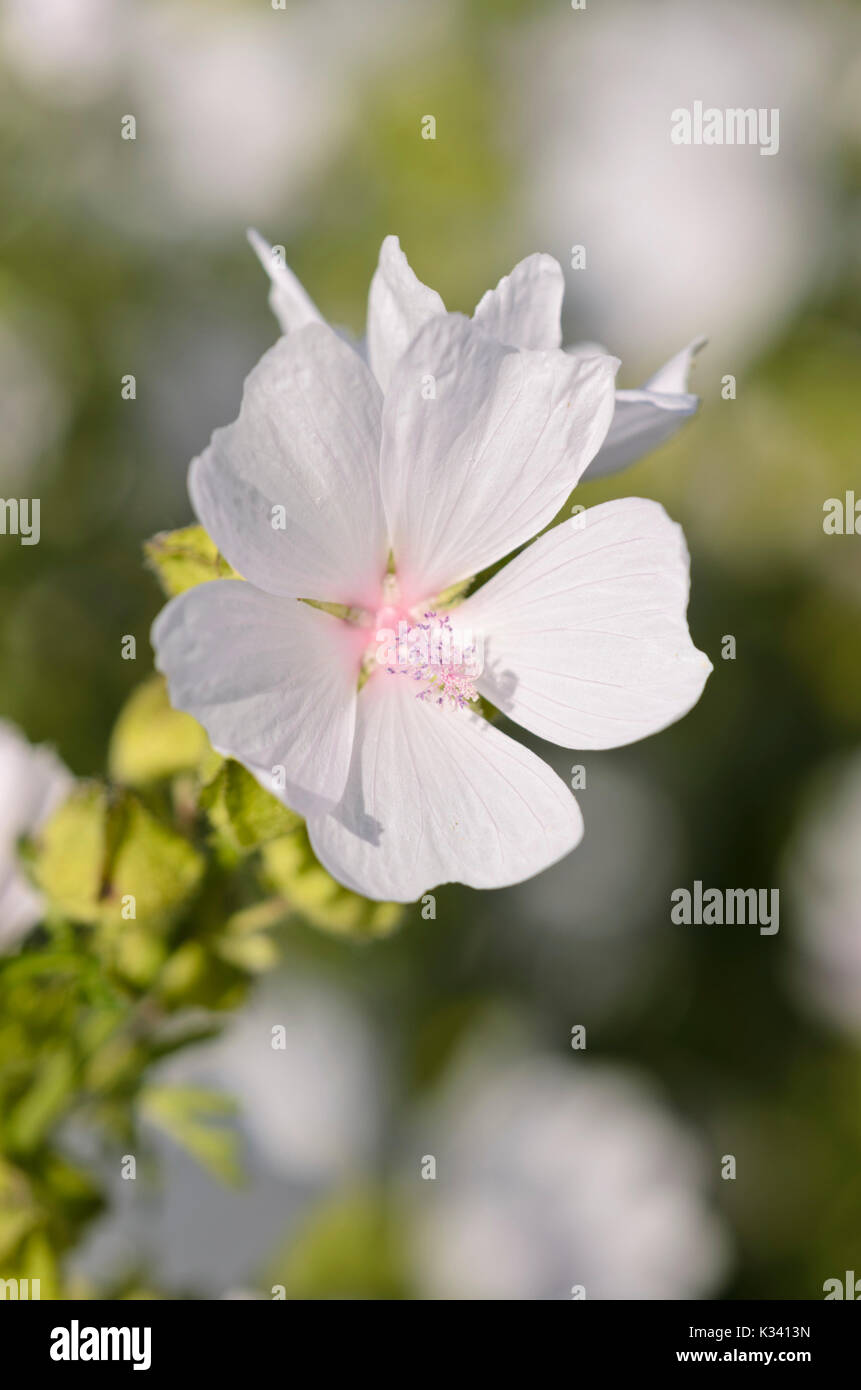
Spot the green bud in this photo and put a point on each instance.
(137, 953)
(182, 559)
(151, 740)
(244, 942)
(254, 953)
(195, 977)
(184, 972)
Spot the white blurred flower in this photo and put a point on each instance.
(238, 107)
(312, 1106)
(680, 237)
(235, 110)
(551, 1175)
(68, 50)
(824, 875)
(524, 311)
(33, 782)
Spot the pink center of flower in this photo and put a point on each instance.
(434, 655)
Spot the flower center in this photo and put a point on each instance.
(442, 660)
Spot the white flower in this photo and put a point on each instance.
(33, 782)
(523, 311)
(552, 1175)
(473, 450)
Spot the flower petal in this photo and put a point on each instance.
(672, 378)
(398, 305)
(585, 637)
(272, 681)
(437, 795)
(647, 417)
(289, 492)
(292, 306)
(525, 309)
(482, 444)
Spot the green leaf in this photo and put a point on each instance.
(176, 1040)
(138, 953)
(19, 1212)
(102, 858)
(151, 740)
(153, 865)
(256, 918)
(195, 976)
(253, 953)
(184, 558)
(243, 941)
(44, 1102)
(188, 1114)
(69, 859)
(245, 815)
(39, 1261)
(291, 869)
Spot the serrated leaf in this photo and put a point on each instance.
(184, 558)
(291, 869)
(244, 814)
(69, 858)
(152, 864)
(100, 857)
(151, 740)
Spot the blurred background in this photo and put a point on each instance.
(452, 1039)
